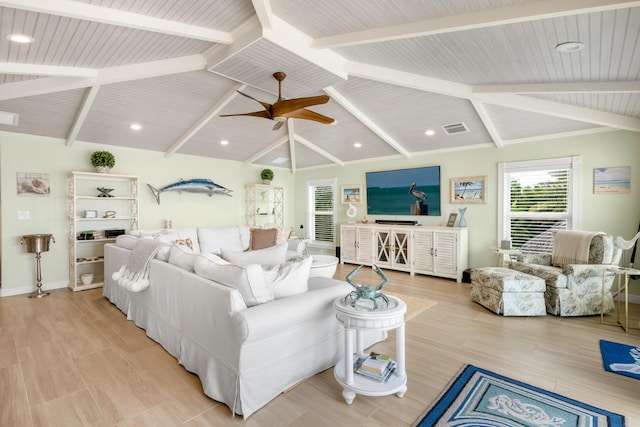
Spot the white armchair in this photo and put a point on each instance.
(575, 289)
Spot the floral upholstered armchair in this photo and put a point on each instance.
(574, 285)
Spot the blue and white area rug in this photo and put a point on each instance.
(479, 398)
(620, 358)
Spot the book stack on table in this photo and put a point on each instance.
(378, 367)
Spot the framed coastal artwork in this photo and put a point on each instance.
(351, 194)
(33, 184)
(612, 180)
(468, 189)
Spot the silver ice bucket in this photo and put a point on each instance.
(37, 242)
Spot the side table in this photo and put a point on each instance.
(357, 320)
(504, 255)
(619, 272)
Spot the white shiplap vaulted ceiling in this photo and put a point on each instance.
(392, 69)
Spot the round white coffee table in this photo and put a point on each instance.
(323, 266)
(355, 321)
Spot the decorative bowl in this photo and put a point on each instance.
(86, 278)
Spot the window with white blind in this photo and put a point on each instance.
(321, 211)
(536, 198)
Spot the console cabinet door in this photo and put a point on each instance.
(364, 245)
(445, 251)
(423, 252)
(383, 248)
(348, 244)
(401, 249)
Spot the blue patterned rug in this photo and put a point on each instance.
(620, 358)
(480, 398)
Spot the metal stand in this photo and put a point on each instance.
(39, 293)
(36, 244)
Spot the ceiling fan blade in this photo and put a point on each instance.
(285, 106)
(264, 104)
(261, 113)
(309, 115)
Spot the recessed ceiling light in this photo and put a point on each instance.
(568, 47)
(135, 126)
(357, 145)
(224, 142)
(20, 38)
(430, 132)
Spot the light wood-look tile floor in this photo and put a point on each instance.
(72, 359)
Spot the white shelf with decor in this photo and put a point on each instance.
(432, 250)
(265, 205)
(95, 217)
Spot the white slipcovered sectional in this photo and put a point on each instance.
(247, 343)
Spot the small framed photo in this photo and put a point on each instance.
(452, 220)
(468, 190)
(351, 194)
(91, 214)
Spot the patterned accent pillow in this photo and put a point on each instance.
(185, 242)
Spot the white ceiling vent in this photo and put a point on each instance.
(454, 128)
(10, 119)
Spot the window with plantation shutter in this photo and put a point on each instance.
(321, 211)
(537, 198)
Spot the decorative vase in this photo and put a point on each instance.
(462, 222)
(266, 182)
(102, 169)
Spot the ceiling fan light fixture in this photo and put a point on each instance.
(20, 38)
(568, 47)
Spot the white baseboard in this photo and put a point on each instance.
(22, 290)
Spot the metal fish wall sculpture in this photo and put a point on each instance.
(197, 185)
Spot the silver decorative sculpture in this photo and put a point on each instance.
(367, 292)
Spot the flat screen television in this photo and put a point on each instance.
(413, 191)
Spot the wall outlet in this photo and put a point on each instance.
(23, 214)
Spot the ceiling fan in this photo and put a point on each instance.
(283, 109)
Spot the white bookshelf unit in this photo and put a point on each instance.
(265, 205)
(91, 214)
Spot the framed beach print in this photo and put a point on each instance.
(33, 184)
(612, 180)
(351, 194)
(468, 189)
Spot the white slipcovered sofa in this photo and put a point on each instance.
(244, 351)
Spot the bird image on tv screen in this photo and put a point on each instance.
(413, 191)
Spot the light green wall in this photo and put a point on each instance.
(614, 214)
(22, 153)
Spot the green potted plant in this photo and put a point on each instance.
(103, 161)
(267, 176)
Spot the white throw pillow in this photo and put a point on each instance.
(212, 239)
(182, 257)
(267, 256)
(289, 278)
(248, 280)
